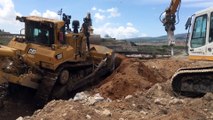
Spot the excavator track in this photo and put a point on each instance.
(193, 82)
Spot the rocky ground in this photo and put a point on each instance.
(137, 90)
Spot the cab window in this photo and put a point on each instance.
(39, 33)
(211, 28)
(199, 32)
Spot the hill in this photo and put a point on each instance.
(4, 38)
(179, 37)
(3, 32)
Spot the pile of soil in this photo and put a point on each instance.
(157, 103)
(136, 75)
(124, 81)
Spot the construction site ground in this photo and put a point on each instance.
(136, 90)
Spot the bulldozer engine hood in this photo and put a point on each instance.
(7, 51)
(45, 57)
(39, 55)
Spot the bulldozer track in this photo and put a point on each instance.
(81, 75)
(49, 81)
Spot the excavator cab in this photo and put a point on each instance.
(201, 37)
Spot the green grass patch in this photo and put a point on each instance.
(4, 41)
(161, 49)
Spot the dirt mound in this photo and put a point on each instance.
(124, 81)
(163, 69)
(154, 104)
(64, 110)
(136, 75)
(142, 91)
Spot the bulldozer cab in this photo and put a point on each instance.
(39, 33)
(43, 31)
(47, 43)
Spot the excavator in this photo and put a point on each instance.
(53, 59)
(197, 81)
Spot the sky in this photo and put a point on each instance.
(117, 18)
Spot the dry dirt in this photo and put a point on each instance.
(137, 90)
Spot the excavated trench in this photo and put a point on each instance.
(16, 102)
(19, 101)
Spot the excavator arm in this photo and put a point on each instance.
(173, 6)
(169, 21)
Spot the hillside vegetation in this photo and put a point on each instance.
(179, 37)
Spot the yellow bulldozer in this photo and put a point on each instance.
(52, 59)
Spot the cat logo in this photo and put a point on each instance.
(32, 51)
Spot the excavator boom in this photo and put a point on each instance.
(173, 6)
(169, 21)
